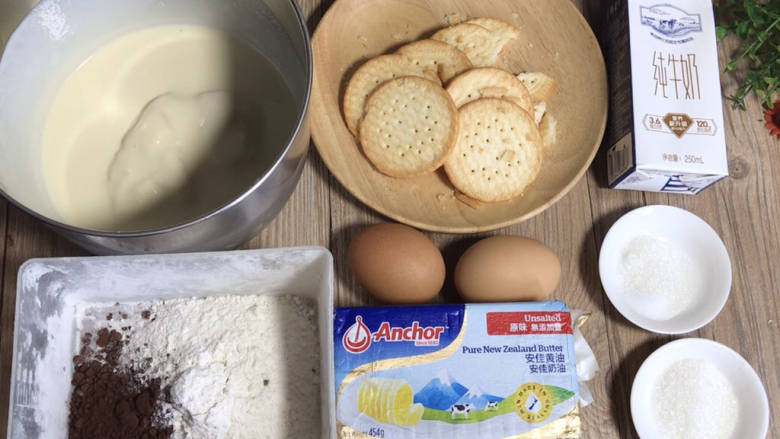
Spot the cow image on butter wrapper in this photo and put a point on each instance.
(457, 371)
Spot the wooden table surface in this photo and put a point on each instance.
(744, 209)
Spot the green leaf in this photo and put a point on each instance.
(721, 32)
(756, 25)
(742, 29)
(750, 7)
(754, 12)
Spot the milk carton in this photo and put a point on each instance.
(666, 120)
(485, 371)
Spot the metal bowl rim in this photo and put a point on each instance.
(304, 33)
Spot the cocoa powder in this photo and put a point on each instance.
(112, 402)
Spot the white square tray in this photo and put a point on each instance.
(48, 291)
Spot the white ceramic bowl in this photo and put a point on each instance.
(690, 234)
(752, 403)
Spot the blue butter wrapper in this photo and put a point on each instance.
(455, 371)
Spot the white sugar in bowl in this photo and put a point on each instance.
(696, 388)
(665, 269)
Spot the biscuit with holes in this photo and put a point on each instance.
(539, 110)
(502, 29)
(489, 82)
(498, 153)
(547, 129)
(538, 84)
(438, 56)
(479, 44)
(371, 75)
(410, 127)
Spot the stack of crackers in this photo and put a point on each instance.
(444, 102)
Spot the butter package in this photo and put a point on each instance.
(666, 120)
(458, 371)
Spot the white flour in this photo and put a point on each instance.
(238, 366)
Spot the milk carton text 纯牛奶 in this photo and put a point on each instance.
(666, 119)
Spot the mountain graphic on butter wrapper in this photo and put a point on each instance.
(477, 398)
(390, 401)
(441, 392)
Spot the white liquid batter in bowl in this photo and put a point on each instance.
(161, 126)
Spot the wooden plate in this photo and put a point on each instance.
(556, 40)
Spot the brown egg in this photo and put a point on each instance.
(507, 269)
(396, 264)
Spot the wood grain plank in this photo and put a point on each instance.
(345, 214)
(572, 219)
(607, 416)
(565, 227)
(628, 345)
(348, 217)
(26, 238)
(3, 235)
(4, 332)
(305, 219)
(741, 209)
(357, 30)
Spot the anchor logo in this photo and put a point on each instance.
(357, 338)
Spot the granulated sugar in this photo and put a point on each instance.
(694, 400)
(53, 19)
(235, 366)
(662, 279)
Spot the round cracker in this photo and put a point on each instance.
(479, 44)
(548, 129)
(409, 128)
(371, 75)
(502, 29)
(438, 56)
(540, 108)
(538, 84)
(498, 153)
(489, 82)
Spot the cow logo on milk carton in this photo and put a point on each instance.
(357, 338)
(670, 21)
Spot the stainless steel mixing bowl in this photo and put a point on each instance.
(50, 40)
